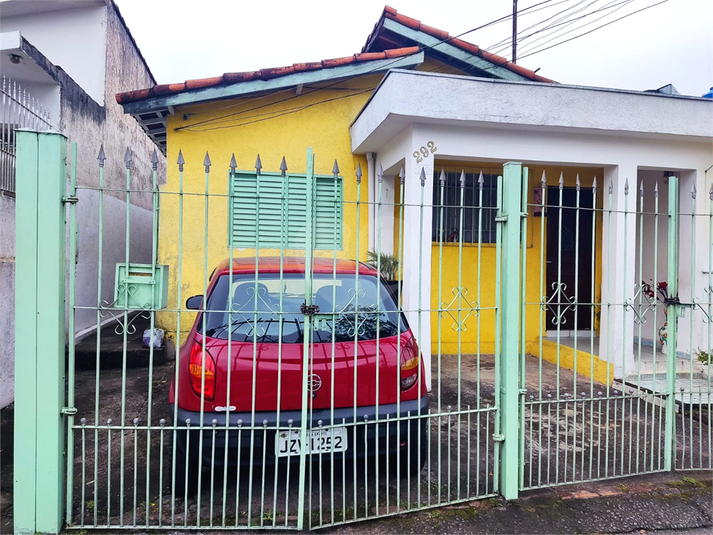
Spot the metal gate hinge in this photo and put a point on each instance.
(69, 411)
(523, 391)
(498, 438)
(70, 199)
(309, 310)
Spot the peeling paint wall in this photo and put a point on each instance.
(90, 123)
(7, 299)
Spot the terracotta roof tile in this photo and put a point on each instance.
(203, 82)
(465, 45)
(236, 77)
(403, 19)
(276, 72)
(336, 62)
(365, 55)
(435, 32)
(264, 74)
(301, 67)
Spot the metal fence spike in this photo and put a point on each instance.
(233, 163)
(127, 158)
(626, 186)
(402, 173)
(442, 178)
(481, 180)
(693, 190)
(462, 179)
(206, 162)
(611, 188)
(154, 160)
(579, 184)
(561, 182)
(423, 177)
(710, 193)
(380, 174)
(258, 164)
(101, 156)
(283, 166)
(358, 173)
(641, 189)
(335, 169)
(656, 189)
(594, 184)
(180, 161)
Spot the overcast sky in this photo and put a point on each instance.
(668, 43)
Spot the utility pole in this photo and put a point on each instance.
(514, 31)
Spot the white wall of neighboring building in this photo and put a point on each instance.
(74, 39)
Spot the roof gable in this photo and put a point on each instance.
(394, 30)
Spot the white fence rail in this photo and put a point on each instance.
(19, 109)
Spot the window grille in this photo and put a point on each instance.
(478, 215)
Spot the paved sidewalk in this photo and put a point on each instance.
(679, 502)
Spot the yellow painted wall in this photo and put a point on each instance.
(238, 126)
(446, 269)
(285, 124)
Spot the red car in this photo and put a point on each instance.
(243, 363)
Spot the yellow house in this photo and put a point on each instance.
(427, 122)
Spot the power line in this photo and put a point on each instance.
(359, 92)
(559, 31)
(506, 41)
(595, 29)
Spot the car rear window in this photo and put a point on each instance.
(267, 310)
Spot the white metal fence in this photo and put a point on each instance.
(19, 109)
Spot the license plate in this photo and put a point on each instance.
(289, 443)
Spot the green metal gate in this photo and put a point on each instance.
(300, 395)
(625, 395)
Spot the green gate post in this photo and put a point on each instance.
(510, 317)
(39, 332)
(672, 318)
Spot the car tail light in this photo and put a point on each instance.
(202, 375)
(410, 363)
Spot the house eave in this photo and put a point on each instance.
(153, 111)
(464, 101)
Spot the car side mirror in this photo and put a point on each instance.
(195, 302)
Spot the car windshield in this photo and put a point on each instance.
(269, 309)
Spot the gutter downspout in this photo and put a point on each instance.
(370, 159)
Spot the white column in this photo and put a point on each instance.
(616, 343)
(385, 223)
(418, 204)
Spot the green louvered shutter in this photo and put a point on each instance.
(328, 214)
(250, 216)
(297, 213)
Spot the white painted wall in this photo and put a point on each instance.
(472, 120)
(652, 246)
(74, 39)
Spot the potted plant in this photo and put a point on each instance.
(388, 266)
